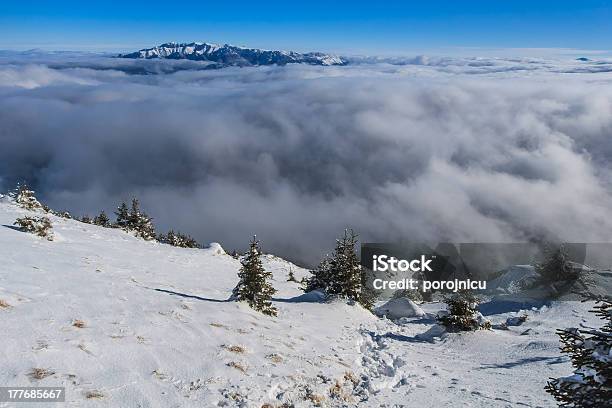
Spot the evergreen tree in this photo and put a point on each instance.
(556, 266)
(145, 228)
(169, 238)
(134, 217)
(367, 296)
(63, 214)
(86, 219)
(135, 220)
(102, 219)
(463, 314)
(40, 226)
(591, 354)
(345, 269)
(140, 222)
(178, 239)
(253, 286)
(340, 275)
(320, 276)
(25, 198)
(291, 276)
(187, 241)
(123, 216)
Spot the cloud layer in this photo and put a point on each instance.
(425, 151)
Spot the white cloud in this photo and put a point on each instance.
(454, 149)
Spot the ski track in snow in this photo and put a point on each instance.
(159, 332)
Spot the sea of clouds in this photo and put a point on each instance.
(457, 149)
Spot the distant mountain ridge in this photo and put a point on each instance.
(230, 55)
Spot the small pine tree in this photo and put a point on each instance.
(140, 222)
(253, 286)
(291, 276)
(145, 228)
(178, 239)
(123, 216)
(25, 198)
(556, 266)
(40, 226)
(102, 220)
(591, 353)
(346, 268)
(189, 242)
(463, 314)
(86, 219)
(320, 276)
(62, 214)
(340, 275)
(169, 238)
(367, 296)
(135, 220)
(134, 216)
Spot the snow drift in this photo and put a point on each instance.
(400, 307)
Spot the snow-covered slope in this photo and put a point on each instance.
(232, 55)
(157, 331)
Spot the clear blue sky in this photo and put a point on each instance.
(342, 26)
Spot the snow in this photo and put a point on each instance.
(158, 331)
(400, 307)
(214, 248)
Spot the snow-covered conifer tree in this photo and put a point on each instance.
(253, 286)
(123, 216)
(463, 314)
(178, 239)
(63, 214)
(139, 222)
(341, 274)
(367, 296)
(345, 268)
(25, 198)
(102, 219)
(40, 226)
(556, 266)
(169, 238)
(188, 242)
(145, 228)
(590, 351)
(320, 276)
(134, 218)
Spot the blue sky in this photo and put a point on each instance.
(341, 26)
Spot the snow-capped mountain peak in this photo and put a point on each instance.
(228, 55)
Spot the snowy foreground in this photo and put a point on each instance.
(156, 331)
